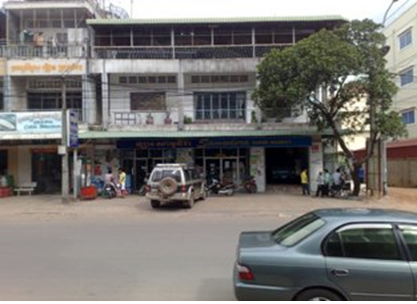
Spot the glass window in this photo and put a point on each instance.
(405, 38)
(408, 117)
(298, 230)
(406, 77)
(158, 175)
(409, 233)
(215, 106)
(363, 242)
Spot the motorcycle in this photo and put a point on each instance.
(249, 184)
(110, 190)
(214, 185)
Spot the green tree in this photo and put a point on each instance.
(346, 65)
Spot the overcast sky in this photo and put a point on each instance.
(350, 9)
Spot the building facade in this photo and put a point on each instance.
(147, 92)
(402, 61)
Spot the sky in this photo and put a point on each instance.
(350, 9)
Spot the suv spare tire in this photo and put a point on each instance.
(168, 186)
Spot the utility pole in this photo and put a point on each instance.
(64, 145)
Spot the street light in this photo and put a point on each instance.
(381, 147)
(386, 12)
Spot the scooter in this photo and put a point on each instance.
(249, 184)
(109, 191)
(214, 185)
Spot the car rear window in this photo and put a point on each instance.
(298, 229)
(158, 175)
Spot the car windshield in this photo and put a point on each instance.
(160, 174)
(298, 229)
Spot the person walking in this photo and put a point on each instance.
(304, 182)
(320, 185)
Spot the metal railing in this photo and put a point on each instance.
(194, 52)
(46, 51)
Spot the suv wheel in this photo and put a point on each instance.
(168, 186)
(190, 203)
(155, 204)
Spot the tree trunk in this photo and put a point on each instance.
(356, 180)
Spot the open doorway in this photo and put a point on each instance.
(284, 165)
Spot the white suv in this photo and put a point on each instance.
(174, 182)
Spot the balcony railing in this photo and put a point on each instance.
(46, 51)
(186, 52)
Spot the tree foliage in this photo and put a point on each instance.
(329, 74)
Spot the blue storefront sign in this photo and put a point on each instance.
(218, 142)
(31, 123)
(72, 120)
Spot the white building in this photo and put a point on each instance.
(148, 91)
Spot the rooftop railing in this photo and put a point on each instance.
(46, 51)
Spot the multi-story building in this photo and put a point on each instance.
(402, 61)
(148, 91)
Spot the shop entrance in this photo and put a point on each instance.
(46, 171)
(284, 165)
(3, 162)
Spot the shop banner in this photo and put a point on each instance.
(218, 142)
(30, 123)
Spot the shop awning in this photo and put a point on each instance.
(194, 134)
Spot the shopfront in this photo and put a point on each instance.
(230, 159)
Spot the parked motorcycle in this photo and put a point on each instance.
(110, 191)
(213, 185)
(249, 184)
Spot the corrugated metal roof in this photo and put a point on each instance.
(192, 134)
(214, 20)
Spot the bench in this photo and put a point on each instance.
(27, 187)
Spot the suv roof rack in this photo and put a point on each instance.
(171, 165)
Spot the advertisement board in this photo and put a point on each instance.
(31, 123)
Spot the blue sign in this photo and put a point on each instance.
(218, 142)
(72, 123)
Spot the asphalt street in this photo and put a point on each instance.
(124, 250)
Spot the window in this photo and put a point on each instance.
(405, 38)
(375, 241)
(147, 101)
(406, 77)
(298, 230)
(409, 233)
(408, 117)
(220, 106)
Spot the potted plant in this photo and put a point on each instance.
(168, 119)
(149, 119)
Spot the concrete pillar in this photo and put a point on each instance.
(106, 99)
(257, 167)
(180, 96)
(89, 101)
(7, 93)
(316, 164)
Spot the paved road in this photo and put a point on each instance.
(124, 250)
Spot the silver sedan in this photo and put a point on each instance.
(331, 254)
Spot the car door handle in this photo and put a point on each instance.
(340, 272)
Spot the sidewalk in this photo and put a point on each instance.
(42, 207)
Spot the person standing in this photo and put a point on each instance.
(320, 185)
(327, 182)
(122, 182)
(304, 182)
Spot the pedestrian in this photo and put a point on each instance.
(304, 182)
(122, 182)
(320, 185)
(337, 181)
(327, 182)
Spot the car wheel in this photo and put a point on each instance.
(155, 204)
(318, 295)
(190, 203)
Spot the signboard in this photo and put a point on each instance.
(72, 129)
(218, 142)
(46, 67)
(30, 123)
